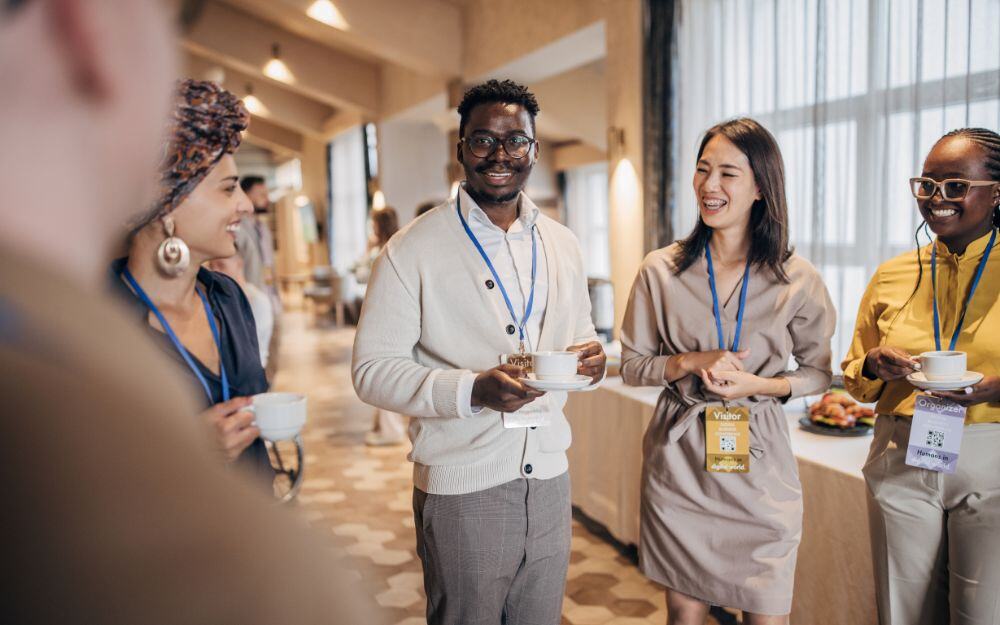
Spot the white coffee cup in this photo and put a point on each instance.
(942, 366)
(279, 416)
(555, 365)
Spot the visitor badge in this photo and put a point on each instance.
(935, 434)
(727, 439)
(533, 415)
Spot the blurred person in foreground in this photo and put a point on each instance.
(116, 510)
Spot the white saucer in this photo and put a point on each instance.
(918, 380)
(571, 384)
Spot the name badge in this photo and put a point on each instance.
(935, 434)
(727, 439)
(534, 415)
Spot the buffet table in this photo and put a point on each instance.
(833, 580)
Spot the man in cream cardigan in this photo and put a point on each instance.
(451, 297)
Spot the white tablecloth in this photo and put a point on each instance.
(833, 580)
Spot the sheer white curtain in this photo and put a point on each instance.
(349, 195)
(587, 215)
(856, 92)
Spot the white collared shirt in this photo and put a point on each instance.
(510, 253)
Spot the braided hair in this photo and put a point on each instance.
(989, 142)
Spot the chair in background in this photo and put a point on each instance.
(327, 290)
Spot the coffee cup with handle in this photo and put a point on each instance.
(943, 365)
(279, 416)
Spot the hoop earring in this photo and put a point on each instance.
(173, 255)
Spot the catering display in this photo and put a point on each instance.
(836, 414)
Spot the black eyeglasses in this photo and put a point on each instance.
(483, 146)
(952, 189)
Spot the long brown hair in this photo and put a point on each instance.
(768, 216)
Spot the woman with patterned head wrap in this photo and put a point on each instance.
(201, 318)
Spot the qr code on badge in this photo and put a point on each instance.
(727, 443)
(935, 438)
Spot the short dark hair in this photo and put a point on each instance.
(769, 246)
(249, 182)
(425, 207)
(505, 91)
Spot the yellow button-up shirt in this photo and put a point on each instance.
(885, 317)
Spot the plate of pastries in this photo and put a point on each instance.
(837, 414)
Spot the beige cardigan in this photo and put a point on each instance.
(428, 319)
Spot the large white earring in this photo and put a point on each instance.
(173, 255)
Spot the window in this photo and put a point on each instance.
(349, 195)
(856, 92)
(587, 215)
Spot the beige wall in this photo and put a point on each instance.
(624, 93)
(413, 160)
(499, 32)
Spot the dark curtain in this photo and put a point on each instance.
(660, 54)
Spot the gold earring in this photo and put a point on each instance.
(173, 255)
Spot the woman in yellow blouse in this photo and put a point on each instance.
(936, 536)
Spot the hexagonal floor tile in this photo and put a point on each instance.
(407, 579)
(588, 615)
(350, 529)
(397, 598)
(391, 557)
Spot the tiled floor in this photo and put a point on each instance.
(363, 496)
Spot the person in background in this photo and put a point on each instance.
(254, 237)
(385, 223)
(116, 511)
(260, 303)
(389, 427)
(451, 298)
(200, 318)
(712, 537)
(935, 536)
(255, 242)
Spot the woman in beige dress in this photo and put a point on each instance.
(716, 538)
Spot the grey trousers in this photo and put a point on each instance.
(497, 556)
(935, 537)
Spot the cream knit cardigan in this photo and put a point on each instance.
(428, 318)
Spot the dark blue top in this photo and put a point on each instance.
(240, 351)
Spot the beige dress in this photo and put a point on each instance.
(726, 539)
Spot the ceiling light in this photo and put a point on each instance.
(253, 103)
(378, 200)
(276, 68)
(325, 11)
(302, 201)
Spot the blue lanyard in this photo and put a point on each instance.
(496, 278)
(968, 300)
(176, 341)
(717, 311)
